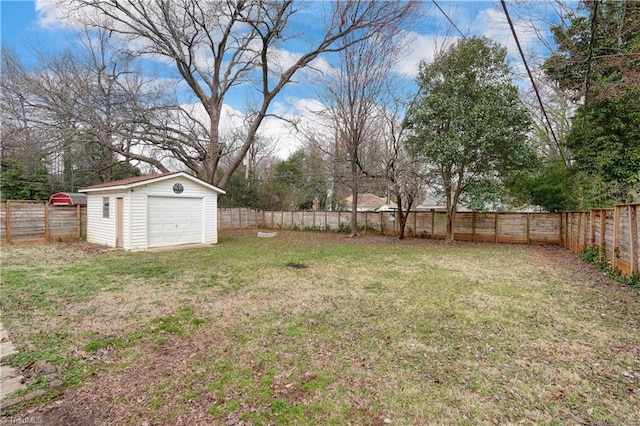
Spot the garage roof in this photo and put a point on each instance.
(132, 182)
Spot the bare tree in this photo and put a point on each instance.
(98, 112)
(352, 96)
(403, 172)
(217, 46)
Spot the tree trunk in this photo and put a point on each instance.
(213, 153)
(451, 215)
(403, 216)
(354, 201)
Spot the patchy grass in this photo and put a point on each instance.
(369, 330)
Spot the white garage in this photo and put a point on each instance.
(159, 210)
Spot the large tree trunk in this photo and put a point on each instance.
(451, 213)
(403, 216)
(354, 202)
(451, 223)
(213, 154)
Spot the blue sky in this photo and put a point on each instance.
(34, 25)
(22, 30)
(24, 27)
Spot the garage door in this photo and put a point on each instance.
(173, 221)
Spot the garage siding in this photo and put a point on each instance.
(138, 221)
(101, 230)
(211, 220)
(165, 189)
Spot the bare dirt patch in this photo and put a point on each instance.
(49, 254)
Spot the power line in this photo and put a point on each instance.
(457, 29)
(590, 58)
(449, 19)
(535, 88)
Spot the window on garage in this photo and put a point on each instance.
(105, 207)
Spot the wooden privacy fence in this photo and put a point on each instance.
(33, 222)
(527, 228)
(613, 231)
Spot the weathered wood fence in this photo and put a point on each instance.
(613, 231)
(527, 228)
(34, 222)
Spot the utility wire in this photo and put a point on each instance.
(535, 88)
(449, 19)
(459, 32)
(587, 82)
(415, 98)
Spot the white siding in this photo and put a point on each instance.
(101, 230)
(138, 222)
(211, 219)
(165, 189)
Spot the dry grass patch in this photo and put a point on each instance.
(372, 331)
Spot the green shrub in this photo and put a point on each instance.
(596, 256)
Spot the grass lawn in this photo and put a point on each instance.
(313, 328)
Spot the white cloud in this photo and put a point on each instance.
(303, 112)
(50, 14)
(421, 48)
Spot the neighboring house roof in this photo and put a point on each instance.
(431, 203)
(135, 181)
(367, 201)
(388, 207)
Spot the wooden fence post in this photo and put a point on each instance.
(415, 224)
(560, 234)
(633, 226)
(47, 229)
(603, 228)
(572, 244)
(7, 223)
(473, 226)
(592, 222)
(586, 231)
(567, 242)
(495, 227)
(579, 232)
(366, 224)
(78, 222)
(433, 223)
(616, 236)
(528, 221)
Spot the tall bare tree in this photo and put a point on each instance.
(402, 171)
(94, 112)
(353, 95)
(217, 46)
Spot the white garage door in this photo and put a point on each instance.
(173, 221)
